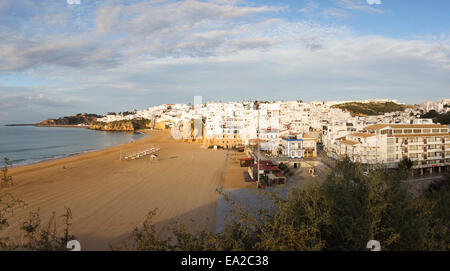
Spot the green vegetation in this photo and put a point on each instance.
(372, 108)
(285, 169)
(443, 118)
(405, 163)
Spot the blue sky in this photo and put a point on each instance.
(98, 56)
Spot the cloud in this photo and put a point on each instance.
(122, 32)
(374, 2)
(31, 99)
(144, 53)
(360, 5)
(310, 6)
(73, 2)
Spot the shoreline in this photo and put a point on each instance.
(78, 154)
(109, 197)
(62, 126)
(49, 126)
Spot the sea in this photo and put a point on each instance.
(24, 145)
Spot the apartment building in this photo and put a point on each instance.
(427, 145)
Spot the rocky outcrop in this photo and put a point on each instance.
(124, 126)
(79, 119)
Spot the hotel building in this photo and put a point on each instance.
(427, 145)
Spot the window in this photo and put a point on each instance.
(435, 130)
(417, 131)
(397, 131)
(426, 131)
(407, 131)
(443, 130)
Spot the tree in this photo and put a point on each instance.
(405, 163)
(433, 206)
(346, 195)
(429, 115)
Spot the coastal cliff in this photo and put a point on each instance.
(79, 119)
(126, 126)
(123, 126)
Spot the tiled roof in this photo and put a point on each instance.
(349, 142)
(376, 126)
(362, 134)
(422, 135)
(404, 126)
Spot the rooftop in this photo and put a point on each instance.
(349, 142)
(362, 134)
(404, 126)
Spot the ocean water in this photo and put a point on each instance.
(28, 144)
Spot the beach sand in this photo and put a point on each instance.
(109, 197)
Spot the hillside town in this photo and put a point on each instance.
(298, 130)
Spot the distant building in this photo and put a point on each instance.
(304, 146)
(292, 147)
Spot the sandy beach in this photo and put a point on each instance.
(109, 197)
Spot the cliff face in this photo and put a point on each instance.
(82, 118)
(113, 126)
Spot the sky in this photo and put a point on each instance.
(62, 57)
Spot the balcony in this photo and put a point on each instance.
(416, 143)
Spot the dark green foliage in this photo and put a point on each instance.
(372, 108)
(347, 197)
(284, 168)
(443, 118)
(405, 163)
(434, 208)
(430, 114)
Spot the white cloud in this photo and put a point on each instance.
(74, 2)
(141, 54)
(374, 2)
(359, 5)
